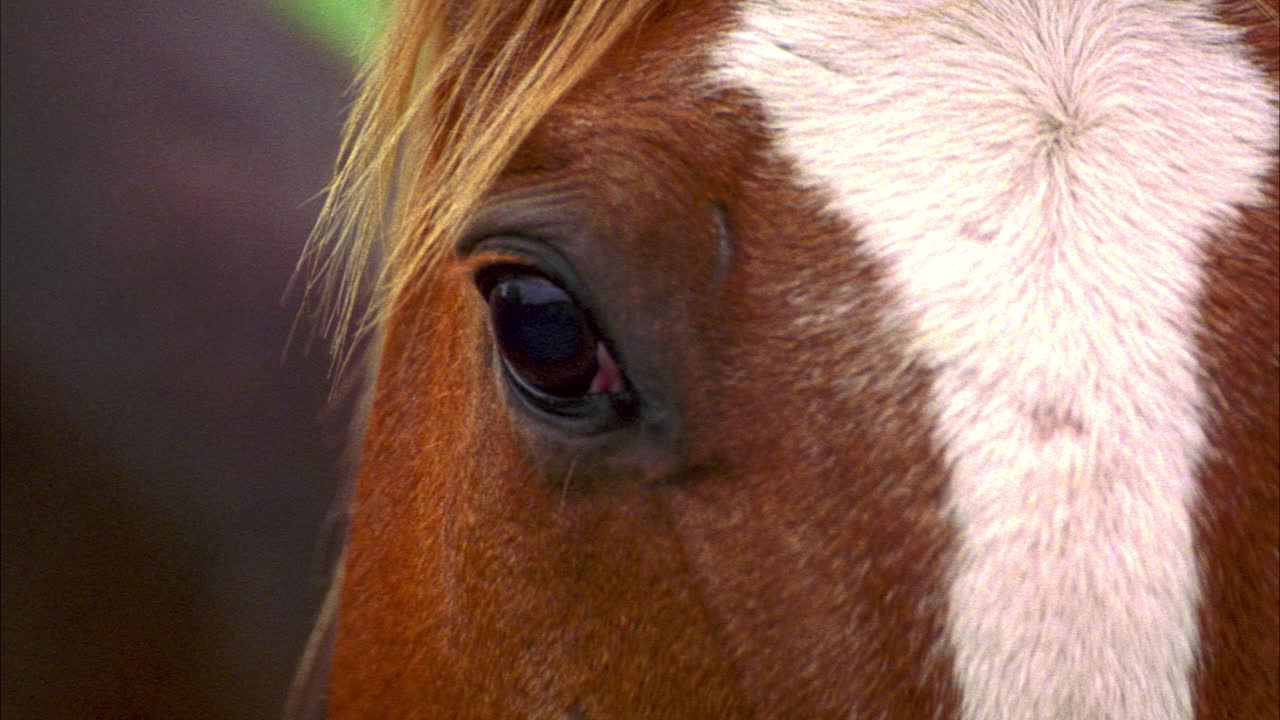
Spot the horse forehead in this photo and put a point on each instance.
(1020, 170)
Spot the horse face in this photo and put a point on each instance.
(773, 511)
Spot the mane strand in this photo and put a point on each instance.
(445, 100)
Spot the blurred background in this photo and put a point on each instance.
(168, 468)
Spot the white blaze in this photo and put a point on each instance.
(1038, 178)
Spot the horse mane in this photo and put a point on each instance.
(444, 101)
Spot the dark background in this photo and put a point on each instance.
(167, 467)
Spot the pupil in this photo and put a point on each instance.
(546, 338)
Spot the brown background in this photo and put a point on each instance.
(167, 467)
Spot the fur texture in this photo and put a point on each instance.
(954, 325)
(1039, 178)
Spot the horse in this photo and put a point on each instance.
(811, 359)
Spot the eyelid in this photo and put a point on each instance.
(483, 260)
(546, 210)
(528, 252)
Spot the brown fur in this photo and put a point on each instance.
(744, 567)
(775, 547)
(1238, 523)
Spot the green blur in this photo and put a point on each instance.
(346, 26)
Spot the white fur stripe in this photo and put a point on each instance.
(1038, 178)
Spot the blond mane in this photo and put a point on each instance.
(445, 100)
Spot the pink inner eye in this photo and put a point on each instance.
(608, 378)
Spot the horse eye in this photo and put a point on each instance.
(547, 340)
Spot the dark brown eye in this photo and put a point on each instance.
(546, 339)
